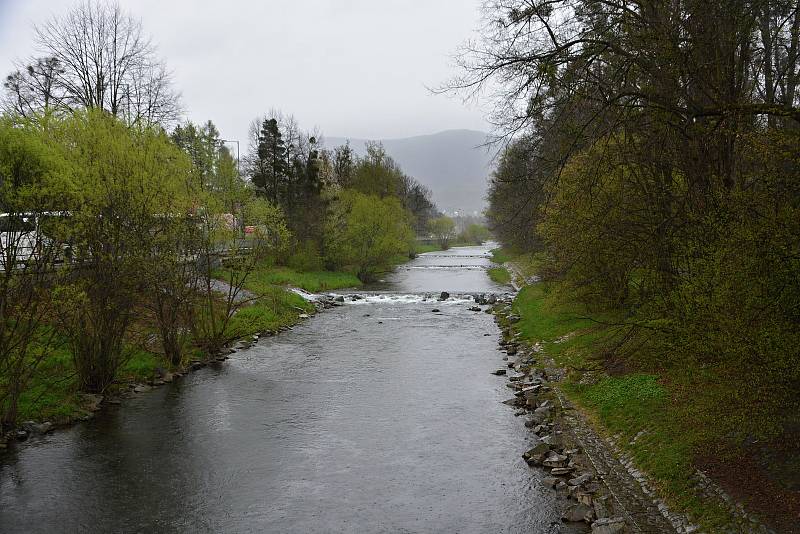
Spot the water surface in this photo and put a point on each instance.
(377, 416)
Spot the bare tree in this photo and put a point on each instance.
(95, 56)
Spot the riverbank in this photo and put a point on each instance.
(52, 400)
(665, 426)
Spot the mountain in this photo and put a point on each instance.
(452, 163)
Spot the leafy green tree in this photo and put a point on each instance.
(364, 233)
(443, 230)
(34, 179)
(127, 183)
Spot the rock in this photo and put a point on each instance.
(583, 497)
(255, 337)
(444, 295)
(168, 377)
(578, 481)
(195, 365)
(537, 454)
(492, 299)
(158, 382)
(550, 482)
(499, 372)
(611, 525)
(340, 298)
(561, 471)
(90, 402)
(115, 402)
(20, 435)
(436, 310)
(303, 316)
(600, 508)
(474, 308)
(142, 388)
(511, 350)
(578, 512)
(555, 460)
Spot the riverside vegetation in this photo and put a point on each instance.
(131, 244)
(651, 180)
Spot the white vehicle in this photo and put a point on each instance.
(22, 239)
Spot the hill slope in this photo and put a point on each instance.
(452, 163)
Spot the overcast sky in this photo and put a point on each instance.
(353, 68)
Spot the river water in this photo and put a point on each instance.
(377, 416)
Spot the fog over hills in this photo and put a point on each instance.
(452, 163)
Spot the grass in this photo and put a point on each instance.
(647, 402)
(499, 275)
(314, 282)
(502, 255)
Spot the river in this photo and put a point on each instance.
(380, 415)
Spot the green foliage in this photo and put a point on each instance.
(364, 232)
(474, 234)
(314, 281)
(499, 275)
(443, 230)
(306, 257)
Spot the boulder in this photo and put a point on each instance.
(499, 372)
(142, 388)
(339, 299)
(491, 300)
(578, 512)
(444, 295)
(555, 460)
(611, 525)
(436, 310)
(537, 454)
(577, 481)
(475, 309)
(32, 427)
(550, 482)
(561, 471)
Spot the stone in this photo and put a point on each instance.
(610, 525)
(561, 471)
(474, 308)
(21, 435)
(577, 481)
(511, 350)
(444, 295)
(168, 377)
(255, 337)
(583, 497)
(115, 402)
(339, 299)
(499, 372)
(303, 316)
(538, 450)
(600, 508)
(555, 460)
(436, 310)
(578, 512)
(550, 482)
(142, 388)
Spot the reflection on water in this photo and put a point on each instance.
(377, 416)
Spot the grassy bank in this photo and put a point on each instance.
(637, 405)
(53, 393)
(499, 275)
(672, 418)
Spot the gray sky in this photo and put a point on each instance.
(353, 68)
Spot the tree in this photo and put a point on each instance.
(128, 182)
(364, 232)
(33, 180)
(443, 230)
(95, 57)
